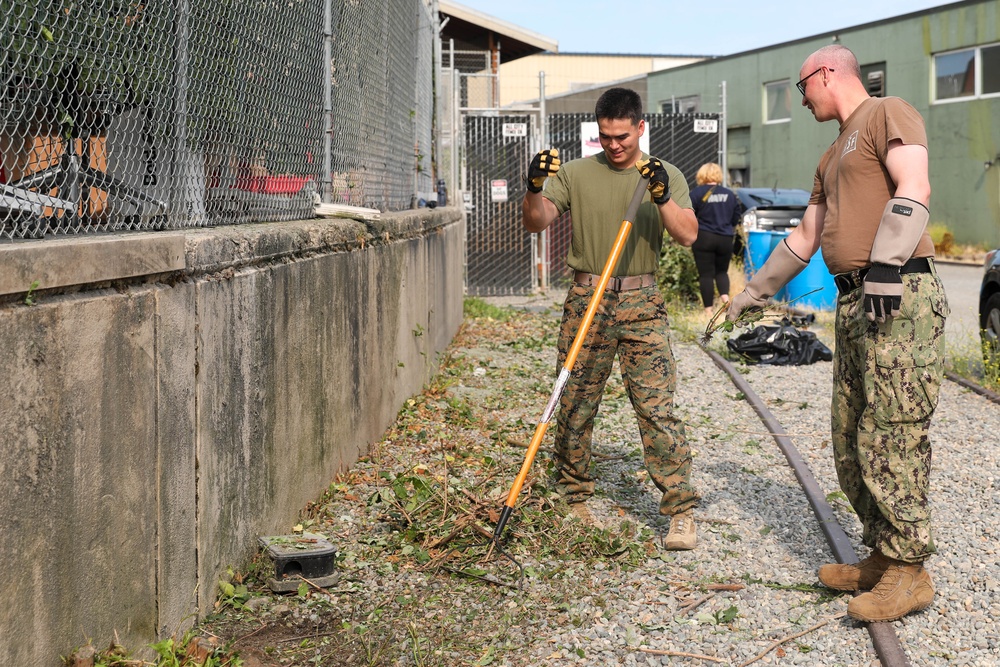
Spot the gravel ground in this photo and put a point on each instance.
(749, 583)
(960, 627)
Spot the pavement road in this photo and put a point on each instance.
(961, 284)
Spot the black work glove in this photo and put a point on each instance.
(882, 292)
(659, 182)
(544, 164)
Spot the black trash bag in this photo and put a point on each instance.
(781, 345)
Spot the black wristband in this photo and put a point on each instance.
(880, 270)
(531, 186)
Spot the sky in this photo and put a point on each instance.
(669, 27)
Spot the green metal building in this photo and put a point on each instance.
(945, 61)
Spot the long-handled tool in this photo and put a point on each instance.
(574, 350)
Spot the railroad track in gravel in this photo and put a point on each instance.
(991, 396)
(884, 638)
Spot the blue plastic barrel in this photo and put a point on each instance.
(760, 243)
(814, 287)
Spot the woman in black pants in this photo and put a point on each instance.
(718, 210)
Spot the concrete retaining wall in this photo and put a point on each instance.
(171, 396)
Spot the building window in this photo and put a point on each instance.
(778, 101)
(967, 74)
(955, 75)
(675, 105)
(990, 55)
(873, 76)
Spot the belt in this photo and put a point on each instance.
(853, 279)
(615, 283)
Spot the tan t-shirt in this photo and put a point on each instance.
(855, 185)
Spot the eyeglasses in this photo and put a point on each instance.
(801, 85)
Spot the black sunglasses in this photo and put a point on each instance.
(801, 85)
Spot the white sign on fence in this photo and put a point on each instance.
(498, 190)
(706, 125)
(515, 129)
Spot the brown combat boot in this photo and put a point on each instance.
(860, 576)
(683, 534)
(904, 588)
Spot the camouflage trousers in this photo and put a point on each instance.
(632, 325)
(886, 380)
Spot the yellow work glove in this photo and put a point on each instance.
(659, 182)
(544, 164)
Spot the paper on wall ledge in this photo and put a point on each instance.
(326, 210)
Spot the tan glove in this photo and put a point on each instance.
(544, 164)
(902, 225)
(780, 267)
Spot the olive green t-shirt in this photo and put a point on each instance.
(855, 185)
(597, 196)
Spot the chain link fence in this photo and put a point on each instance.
(501, 257)
(119, 115)
(499, 252)
(466, 82)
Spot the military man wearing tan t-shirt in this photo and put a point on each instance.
(868, 211)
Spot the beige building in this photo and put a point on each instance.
(502, 61)
(570, 72)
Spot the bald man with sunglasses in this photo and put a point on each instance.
(868, 211)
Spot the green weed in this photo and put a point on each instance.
(477, 308)
(677, 277)
(190, 650)
(29, 298)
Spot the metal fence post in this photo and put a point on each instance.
(326, 180)
(723, 139)
(182, 208)
(543, 247)
(437, 102)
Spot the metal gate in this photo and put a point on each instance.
(499, 252)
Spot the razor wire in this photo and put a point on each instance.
(121, 115)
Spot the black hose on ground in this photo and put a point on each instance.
(884, 638)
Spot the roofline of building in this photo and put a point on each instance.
(597, 86)
(577, 91)
(498, 26)
(626, 55)
(830, 33)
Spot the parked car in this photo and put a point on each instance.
(772, 209)
(769, 209)
(989, 309)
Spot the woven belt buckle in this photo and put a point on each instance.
(615, 284)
